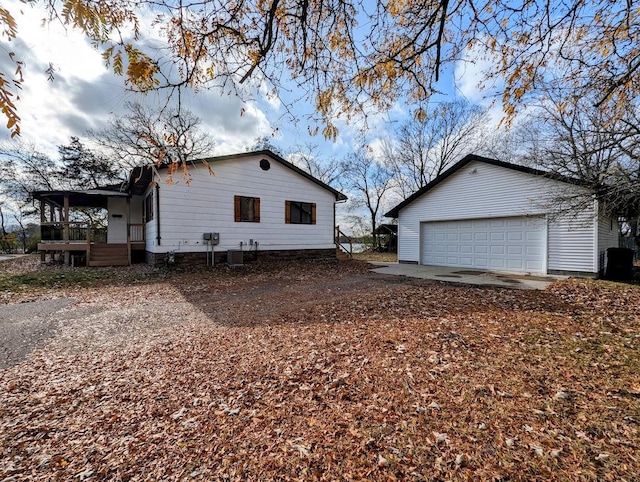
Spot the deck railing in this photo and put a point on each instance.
(136, 232)
(343, 242)
(64, 231)
(78, 232)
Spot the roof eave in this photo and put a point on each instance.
(394, 212)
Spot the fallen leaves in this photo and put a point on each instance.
(328, 372)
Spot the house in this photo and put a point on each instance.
(252, 204)
(491, 215)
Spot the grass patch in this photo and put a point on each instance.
(373, 256)
(28, 275)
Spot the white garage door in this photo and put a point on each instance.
(501, 244)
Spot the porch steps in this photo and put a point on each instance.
(341, 255)
(109, 255)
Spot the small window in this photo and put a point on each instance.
(300, 213)
(246, 209)
(148, 207)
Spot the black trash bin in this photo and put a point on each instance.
(619, 264)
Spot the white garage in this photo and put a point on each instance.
(488, 214)
(502, 244)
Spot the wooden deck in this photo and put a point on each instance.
(95, 254)
(109, 255)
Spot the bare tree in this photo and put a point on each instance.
(24, 169)
(330, 171)
(584, 142)
(522, 144)
(263, 143)
(143, 136)
(84, 168)
(424, 148)
(370, 181)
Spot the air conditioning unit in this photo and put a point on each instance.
(235, 258)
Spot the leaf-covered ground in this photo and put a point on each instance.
(328, 372)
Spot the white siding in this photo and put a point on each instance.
(481, 190)
(117, 222)
(119, 217)
(571, 243)
(206, 204)
(136, 209)
(608, 235)
(151, 226)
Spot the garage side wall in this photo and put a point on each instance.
(571, 244)
(608, 237)
(481, 190)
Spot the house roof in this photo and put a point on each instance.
(391, 229)
(393, 213)
(141, 177)
(85, 198)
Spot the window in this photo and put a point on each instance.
(148, 207)
(246, 209)
(300, 213)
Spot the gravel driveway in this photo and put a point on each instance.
(112, 317)
(25, 326)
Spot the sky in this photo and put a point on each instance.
(85, 95)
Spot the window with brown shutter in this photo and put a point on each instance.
(246, 209)
(296, 212)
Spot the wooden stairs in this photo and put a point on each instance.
(341, 255)
(344, 250)
(109, 255)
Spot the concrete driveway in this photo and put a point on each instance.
(467, 276)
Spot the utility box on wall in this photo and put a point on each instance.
(213, 238)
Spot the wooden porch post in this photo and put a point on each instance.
(65, 229)
(129, 229)
(43, 218)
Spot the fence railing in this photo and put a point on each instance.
(64, 231)
(630, 243)
(81, 232)
(343, 242)
(136, 232)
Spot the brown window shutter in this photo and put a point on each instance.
(313, 213)
(256, 210)
(287, 212)
(236, 208)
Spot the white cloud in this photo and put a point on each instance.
(85, 93)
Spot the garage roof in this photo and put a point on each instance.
(393, 213)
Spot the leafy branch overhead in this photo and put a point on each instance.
(349, 56)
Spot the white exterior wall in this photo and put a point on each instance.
(150, 227)
(117, 222)
(207, 205)
(481, 190)
(571, 243)
(136, 209)
(608, 237)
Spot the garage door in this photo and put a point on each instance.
(501, 244)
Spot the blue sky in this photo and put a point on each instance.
(84, 94)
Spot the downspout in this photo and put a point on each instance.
(158, 237)
(129, 229)
(596, 241)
